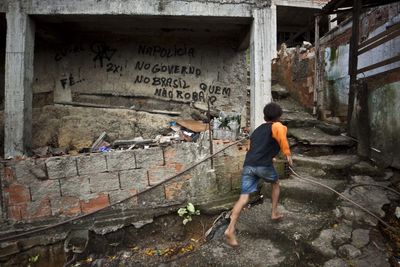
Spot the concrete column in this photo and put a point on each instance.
(18, 82)
(274, 32)
(262, 45)
(332, 21)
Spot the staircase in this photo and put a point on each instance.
(318, 228)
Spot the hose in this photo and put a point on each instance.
(344, 197)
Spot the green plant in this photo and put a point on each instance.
(187, 213)
(33, 259)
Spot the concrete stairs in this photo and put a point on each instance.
(321, 154)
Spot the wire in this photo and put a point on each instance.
(344, 197)
(41, 229)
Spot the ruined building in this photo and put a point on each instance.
(97, 96)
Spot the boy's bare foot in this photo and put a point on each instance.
(276, 217)
(231, 239)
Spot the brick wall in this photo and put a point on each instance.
(294, 70)
(68, 186)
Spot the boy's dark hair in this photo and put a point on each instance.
(272, 112)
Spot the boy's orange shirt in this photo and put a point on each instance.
(279, 132)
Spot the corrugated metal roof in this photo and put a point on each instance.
(335, 6)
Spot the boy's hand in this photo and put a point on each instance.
(289, 159)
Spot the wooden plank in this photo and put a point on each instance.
(353, 61)
(98, 141)
(194, 126)
(380, 64)
(380, 35)
(132, 142)
(316, 67)
(385, 39)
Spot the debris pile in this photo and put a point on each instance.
(221, 125)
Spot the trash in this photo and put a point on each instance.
(104, 149)
(226, 126)
(98, 142)
(306, 45)
(194, 126)
(135, 141)
(397, 212)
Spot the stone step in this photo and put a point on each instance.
(330, 166)
(316, 137)
(306, 192)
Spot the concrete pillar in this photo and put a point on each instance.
(274, 32)
(332, 21)
(18, 81)
(262, 45)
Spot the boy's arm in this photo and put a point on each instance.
(279, 132)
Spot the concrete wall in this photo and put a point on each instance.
(384, 107)
(225, 8)
(2, 57)
(168, 68)
(59, 187)
(335, 53)
(383, 83)
(294, 70)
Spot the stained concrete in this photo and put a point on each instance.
(261, 54)
(314, 137)
(18, 81)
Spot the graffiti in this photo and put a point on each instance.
(142, 79)
(111, 67)
(102, 52)
(159, 51)
(70, 81)
(168, 69)
(188, 96)
(74, 49)
(215, 89)
(163, 81)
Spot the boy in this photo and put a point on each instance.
(265, 143)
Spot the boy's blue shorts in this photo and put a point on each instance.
(251, 175)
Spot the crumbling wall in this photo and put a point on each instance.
(335, 56)
(382, 83)
(169, 73)
(294, 69)
(167, 69)
(75, 128)
(384, 107)
(58, 187)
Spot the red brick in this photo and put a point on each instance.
(39, 209)
(18, 194)
(8, 175)
(17, 212)
(169, 154)
(174, 191)
(160, 173)
(66, 205)
(94, 204)
(177, 167)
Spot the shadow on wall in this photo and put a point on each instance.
(384, 106)
(3, 30)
